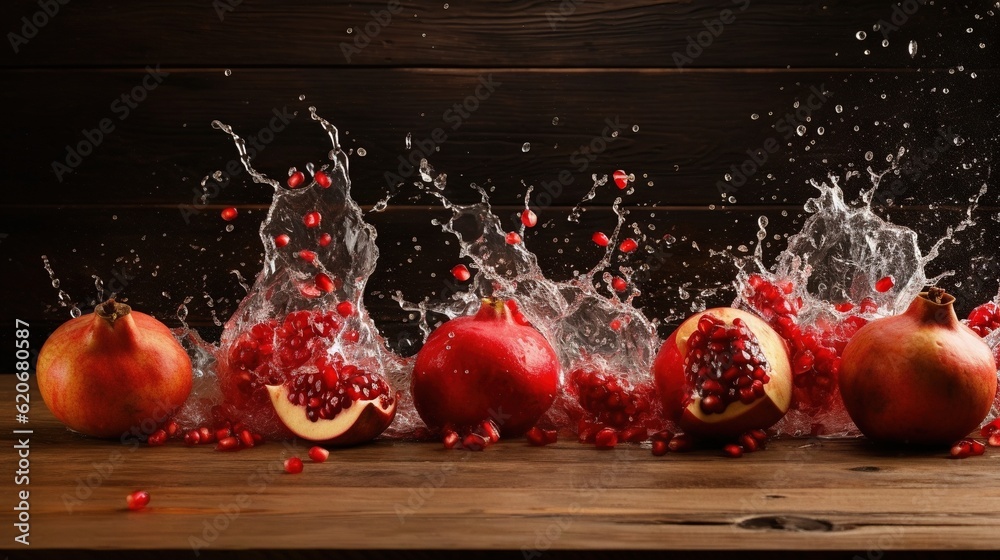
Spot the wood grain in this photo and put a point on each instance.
(799, 494)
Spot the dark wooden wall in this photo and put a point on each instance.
(125, 211)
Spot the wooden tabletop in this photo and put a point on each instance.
(798, 494)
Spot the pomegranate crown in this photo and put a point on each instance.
(112, 310)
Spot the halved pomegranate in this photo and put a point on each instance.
(722, 373)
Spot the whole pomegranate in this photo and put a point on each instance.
(113, 372)
(485, 366)
(723, 373)
(921, 377)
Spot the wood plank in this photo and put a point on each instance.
(823, 495)
(532, 33)
(694, 129)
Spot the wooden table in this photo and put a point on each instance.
(841, 495)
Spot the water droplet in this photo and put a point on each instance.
(669, 239)
(945, 91)
(555, 121)
(912, 49)
(228, 72)
(732, 200)
(754, 116)
(820, 130)
(885, 43)
(958, 140)
(302, 97)
(861, 35)
(362, 152)
(801, 130)
(968, 30)
(526, 147)
(75, 312)
(350, 30)
(446, 6)
(762, 222)
(867, 52)
(839, 108)
(869, 156)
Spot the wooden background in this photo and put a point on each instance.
(119, 213)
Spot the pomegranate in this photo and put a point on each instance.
(921, 377)
(491, 365)
(722, 373)
(611, 401)
(137, 500)
(113, 372)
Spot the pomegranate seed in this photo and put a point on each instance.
(976, 447)
(634, 434)
(318, 454)
(307, 256)
(680, 442)
(312, 219)
(172, 428)
(759, 435)
(247, 439)
(295, 179)
(192, 437)
(600, 239)
(352, 335)
(137, 500)
(659, 448)
(222, 433)
(868, 305)
(293, 465)
(615, 324)
(324, 283)
(528, 218)
(513, 238)
(475, 442)
(619, 284)
(536, 436)
(322, 179)
(207, 436)
(664, 436)
(281, 240)
(994, 440)
(325, 239)
(748, 442)
(460, 272)
(229, 214)
(885, 284)
(228, 443)
(844, 307)
(606, 439)
(345, 308)
(621, 179)
(451, 439)
(491, 431)
(960, 450)
(551, 436)
(628, 245)
(733, 451)
(157, 438)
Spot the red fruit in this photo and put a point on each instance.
(157, 438)
(600, 239)
(536, 436)
(296, 179)
(960, 450)
(722, 373)
(976, 447)
(615, 324)
(844, 307)
(460, 272)
(248, 439)
(485, 366)
(322, 179)
(451, 439)
(312, 219)
(137, 500)
(991, 428)
(628, 245)
(318, 455)
(621, 178)
(733, 451)
(293, 465)
(307, 256)
(921, 377)
(192, 437)
(228, 443)
(490, 431)
(281, 240)
(659, 448)
(475, 442)
(206, 435)
(606, 439)
(325, 239)
(229, 214)
(612, 401)
(528, 218)
(994, 440)
(985, 319)
(108, 373)
(551, 436)
(633, 434)
(748, 443)
(345, 308)
(324, 283)
(680, 443)
(619, 284)
(513, 238)
(884, 284)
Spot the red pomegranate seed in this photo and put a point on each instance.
(976, 447)
(659, 448)
(513, 238)
(733, 451)
(960, 450)
(994, 440)
(460, 272)
(634, 434)
(293, 465)
(680, 442)
(312, 219)
(281, 240)
(318, 454)
(885, 284)
(228, 443)
(619, 284)
(345, 308)
(759, 435)
(844, 307)
(475, 442)
(157, 438)
(551, 436)
(528, 218)
(307, 256)
(229, 214)
(322, 179)
(615, 324)
(192, 437)
(352, 335)
(325, 239)
(324, 283)
(606, 439)
(600, 239)
(137, 500)
(172, 428)
(748, 442)
(985, 319)
(990, 429)
(536, 436)
(222, 433)
(621, 178)
(207, 436)
(451, 439)
(491, 431)
(628, 245)
(868, 305)
(664, 436)
(295, 179)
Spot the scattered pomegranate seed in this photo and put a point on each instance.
(621, 178)
(322, 179)
(312, 219)
(318, 454)
(307, 256)
(884, 284)
(528, 218)
(600, 239)
(229, 214)
(207, 435)
(293, 465)
(659, 448)
(680, 442)
(991, 428)
(844, 307)
(551, 436)
(759, 435)
(325, 239)
(192, 437)
(295, 179)
(345, 308)
(352, 335)
(536, 436)
(606, 439)
(619, 284)
(633, 434)
(748, 443)
(281, 240)
(451, 439)
(513, 238)
(172, 428)
(222, 433)
(324, 283)
(475, 442)
(985, 319)
(994, 440)
(628, 245)
(733, 451)
(868, 305)
(664, 436)
(157, 438)
(615, 324)
(461, 272)
(137, 500)
(491, 431)
(228, 443)
(976, 447)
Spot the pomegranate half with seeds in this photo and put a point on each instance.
(723, 373)
(491, 365)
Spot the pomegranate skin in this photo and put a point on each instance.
(113, 372)
(920, 378)
(513, 372)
